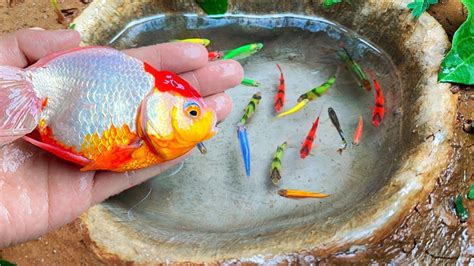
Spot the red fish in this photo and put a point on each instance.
(358, 132)
(379, 108)
(308, 142)
(280, 96)
(214, 55)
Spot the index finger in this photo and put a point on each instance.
(176, 57)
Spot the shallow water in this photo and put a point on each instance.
(211, 196)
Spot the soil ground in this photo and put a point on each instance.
(431, 232)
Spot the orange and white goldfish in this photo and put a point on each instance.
(102, 109)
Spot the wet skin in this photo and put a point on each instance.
(39, 192)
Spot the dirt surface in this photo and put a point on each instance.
(450, 13)
(65, 246)
(32, 14)
(432, 232)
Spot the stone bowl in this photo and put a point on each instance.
(372, 189)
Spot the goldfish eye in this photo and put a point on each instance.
(192, 109)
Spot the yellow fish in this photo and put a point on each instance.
(204, 42)
(294, 109)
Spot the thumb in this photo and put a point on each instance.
(25, 47)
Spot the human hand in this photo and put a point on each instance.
(39, 192)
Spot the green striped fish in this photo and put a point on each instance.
(276, 164)
(251, 107)
(318, 91)
(355, 69)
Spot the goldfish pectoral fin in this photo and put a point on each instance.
(112, 160)
(59, 151)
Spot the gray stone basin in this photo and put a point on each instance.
(208, 211)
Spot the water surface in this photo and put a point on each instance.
(210, 198)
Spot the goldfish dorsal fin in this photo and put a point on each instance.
(167, 81)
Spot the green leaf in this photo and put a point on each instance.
(329, 3)
(420, 6)
(458, 65)
(213, 7)
(461, 211)
(6, 263)
(470, 195)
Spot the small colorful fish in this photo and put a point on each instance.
(318, 91)
(80, 106)
(335, 122)
(275, 174)
(280, 96)
(202, 149)
(244, 147)
(250, 108)
(204, 42)
(358, 132)
(214, 55)
(308, 142)
(295, 108)
(242, 130)
(243, 51)
(379, 108)
(300, 194)
(250, 82)
(355, 69)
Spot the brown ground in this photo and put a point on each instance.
(431, 232)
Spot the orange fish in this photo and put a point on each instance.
(101, 109)
(358, 132)
(300, 194)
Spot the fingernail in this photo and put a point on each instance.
(220, 102)
(36, 28)
(223, 106)
(228, 68)
(192, 50)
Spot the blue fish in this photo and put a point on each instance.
(244, 147)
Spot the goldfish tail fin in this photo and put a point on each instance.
(19, 105)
